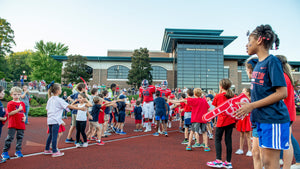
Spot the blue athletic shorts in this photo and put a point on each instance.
(121, 118)
(274, 135)
(254, 132)
(160, 117)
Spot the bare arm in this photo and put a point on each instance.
(3, 118)
(15, 111)
(281, 93)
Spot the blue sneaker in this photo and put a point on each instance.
(166, 134)
(118, 132)
(155, 134)
(18, 154)
(122, 132)
(69, 140)
(2, 160)
(5, 155)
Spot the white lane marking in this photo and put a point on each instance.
(108, 141)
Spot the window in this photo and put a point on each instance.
(245, 77)
(117, 72)
(158, 73)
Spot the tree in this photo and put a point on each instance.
(140, 67)
(75, 68)
(6, 41)
(44, 67)
(18, 64)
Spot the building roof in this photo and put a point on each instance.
(174, 36)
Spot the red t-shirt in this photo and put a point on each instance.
(165, 93)
(101, 114)
(187, 107)
(223, 119)
(182, 106)
(199, 108)
(290, 100)
(15, 121)
(147, 93)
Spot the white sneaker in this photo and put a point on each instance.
(78, 145)
(239, 151)
(146, 130)
(294, 166)
(85, 144)
(170, 125)
(281, 162)
(249, 154)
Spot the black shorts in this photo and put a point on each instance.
(182, 119)
(121, 117)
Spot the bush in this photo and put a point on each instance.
(34, 103)
(7, 97)
(131, 96)
(38, 112)
(40, 100)
(68, 90)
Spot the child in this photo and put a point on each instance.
(244, 127)
(55, 107)
(187, 118)
(181, 110)
(81, 119)
(81, 87)
(199, 108)
(121, 105)
(167, 115)
(65, 98)
(225, 123)
(94, 93)
(2, 114)
(138, 117)
(107, 112)
(160, 112)
(268, 88)
(16, 122)
(132, 105)
(209, 99)
(94, 125)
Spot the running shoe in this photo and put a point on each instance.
(211, 136)
(202, 145)
(295, 166)
(122, 133)
(227, 165)
(94, 138)
(18, 154)
(69, 140)
(100, 143)
(136, 130)
(166, 134)
(57, 154)
(78, 145)
(185, 141)
(196, 145)
(2, 160)
(118, 132)
(156, 134)
(5, 155)
(47, 152)
(249, 154)
(206, 149)
(188, 148)
(140, 130)
(239, 151)
(215, 164)
(85, 144)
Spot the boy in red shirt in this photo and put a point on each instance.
(199, 108)
(16, 122)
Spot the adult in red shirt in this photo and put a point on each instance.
(164, 90)
(146, 95)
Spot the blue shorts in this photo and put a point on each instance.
(187, 118)
(160, 117)
(274, 135)
(121, 118)
(254, 132)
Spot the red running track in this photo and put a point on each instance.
(134, 150)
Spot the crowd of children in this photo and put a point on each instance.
(266, 121)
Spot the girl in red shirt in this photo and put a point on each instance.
(225, 123)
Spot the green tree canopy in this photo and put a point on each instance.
(18, 64)
(140, 67)
(44, 67)
(75, 68)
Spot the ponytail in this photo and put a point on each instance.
(286, 67)
(52, 88)
(226, 85)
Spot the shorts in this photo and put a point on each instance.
(94, 124)
(106, 117)
(187, 118)
(274, 135)
(254, 132)
(115, 117)
(199, 127)
(160, 117)
(182, 119)
(60, 129)
(138, 121)
(121, 117)
(73, 122)
(148, 110)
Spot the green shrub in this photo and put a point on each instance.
(68, 90)
(131, 96)
(40, 100)
(34, 103)
(7, 97)
(38, 112)
(298, 112)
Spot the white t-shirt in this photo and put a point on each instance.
(81, 115)
(55, 107)
(92, 101)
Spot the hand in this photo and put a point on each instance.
(244, 110)
(91, 117)
(24, 119)
(63, 123)
(20, 108)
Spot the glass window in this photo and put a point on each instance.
(158, 73)
(245, 77)
(117, 72)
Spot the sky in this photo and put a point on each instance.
(91, 27)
